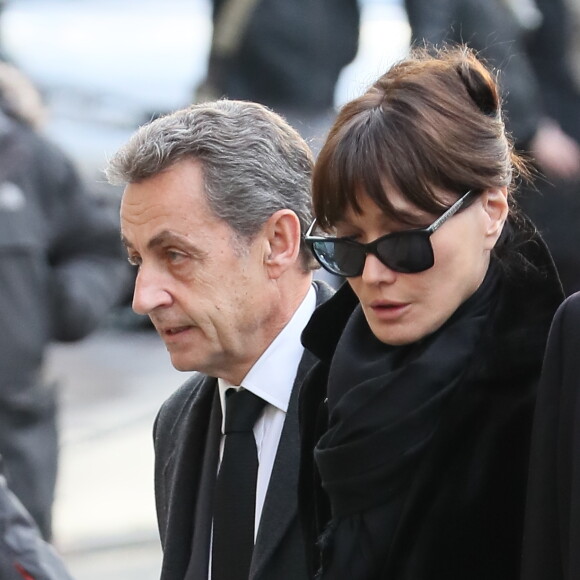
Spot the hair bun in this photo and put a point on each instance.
(480, 85)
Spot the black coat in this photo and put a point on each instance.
(552, 530)
(62, 268)
(491, 28)
(463, 514)
(289, 54)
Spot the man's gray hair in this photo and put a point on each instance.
(253, 162)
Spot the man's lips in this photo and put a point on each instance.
(169, 331)
(176, 330)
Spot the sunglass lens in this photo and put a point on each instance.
(340, 257)
(406, 252)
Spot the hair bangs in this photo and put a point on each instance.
(356, 160)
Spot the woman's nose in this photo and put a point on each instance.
(375, 271)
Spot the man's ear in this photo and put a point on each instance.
(495, 205)
(282, 242)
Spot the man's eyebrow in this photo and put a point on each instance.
(165, 237)
(168, 237)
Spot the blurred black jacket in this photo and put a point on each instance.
(288, 55)
(61, 262)
(492, 28)
(61, 270)
(23, 553)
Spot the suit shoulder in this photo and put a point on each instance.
(566, 323)
(323, 291)
(190, 393)
(571, 306)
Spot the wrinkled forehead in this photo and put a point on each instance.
(177, 190)
(166, 203)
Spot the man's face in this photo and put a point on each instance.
(206, 292)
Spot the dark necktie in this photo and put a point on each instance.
(235, 492)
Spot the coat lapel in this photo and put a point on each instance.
(182, 476)
(199, 562)
(281, 503)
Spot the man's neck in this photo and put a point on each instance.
(291, 298)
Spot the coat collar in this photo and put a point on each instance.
(180, 476)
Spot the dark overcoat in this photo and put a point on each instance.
(552, 530)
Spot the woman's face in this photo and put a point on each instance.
(403, 308)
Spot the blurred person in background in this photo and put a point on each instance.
(24, 555)
(529, 43)
(555, 207)
(61, 268)
(574, 57)
(217, 198)
(285, 55)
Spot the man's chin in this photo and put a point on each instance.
(180, 364)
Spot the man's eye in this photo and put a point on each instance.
(174, 256)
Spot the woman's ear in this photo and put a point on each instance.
(282, 236)
(495, 205)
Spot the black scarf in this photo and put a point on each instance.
(384, 403)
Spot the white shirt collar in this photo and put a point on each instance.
(272, 376)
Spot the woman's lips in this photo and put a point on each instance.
(389, 310)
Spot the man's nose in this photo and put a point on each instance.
(150, 291)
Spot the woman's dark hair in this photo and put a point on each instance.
(433, 122)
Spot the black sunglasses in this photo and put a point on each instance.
(408, 251)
